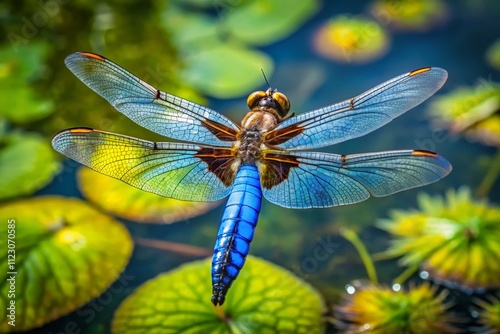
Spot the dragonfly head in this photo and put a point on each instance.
(269, 99)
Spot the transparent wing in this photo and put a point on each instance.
(311, 180)
(168, 169)
(360, 115)
(165, 114)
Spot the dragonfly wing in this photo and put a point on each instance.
(360, 115)
(165, 114)
(181, 171)
(310, 179)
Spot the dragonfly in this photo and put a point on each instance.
(264, 156)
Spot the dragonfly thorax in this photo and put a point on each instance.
(249, 139)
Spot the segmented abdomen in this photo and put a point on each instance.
(235, 231)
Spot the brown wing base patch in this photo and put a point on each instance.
(219, 161)
(277, 137)
(220, 131)
(276, 168)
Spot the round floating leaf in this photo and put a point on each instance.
(351, 39)
(20, 104)
(264, 299)
(27, 163)
(263, 22)
(128, 202)
(190, 31)
(226, 71)
(66, 253)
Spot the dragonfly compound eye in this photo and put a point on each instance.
(282, 102)
(254, 99)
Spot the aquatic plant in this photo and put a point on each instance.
(349, 39)
(123, 200)
(66, 253)
(488, 315)
(377, 309)
(456, 239)
(27, 163)
(264, 299)
(409, 14)
(473, 111)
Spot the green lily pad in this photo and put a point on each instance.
(20, 102)
(128, 202)
(264, 299)
(263, 22)
(190, 31)
(66, 253)
(27, 163)
(226, 71)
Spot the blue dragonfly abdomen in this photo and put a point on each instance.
(236, 231)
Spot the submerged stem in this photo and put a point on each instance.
(406, 274)
(490, 177)
(351, 236)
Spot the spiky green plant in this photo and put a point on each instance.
(489, 315)
(455, 238)
(377, 309)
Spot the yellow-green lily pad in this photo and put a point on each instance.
(27, 163)
(66, 253)
(351, 39)
(263, 22)
(226, 71)
(264, 299)
(123, 200)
